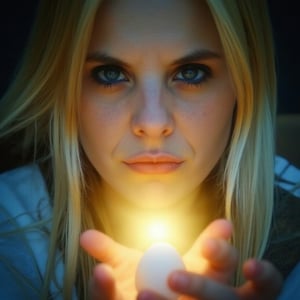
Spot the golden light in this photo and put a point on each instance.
(158, 231)
(145, 230)
(154, 230)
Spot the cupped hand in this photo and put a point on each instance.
(113, 279)
(211, 254)
(210, 265)
(263, 283)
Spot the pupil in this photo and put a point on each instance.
(189, 74)
(111, 74)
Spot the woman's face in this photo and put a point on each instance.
(157, 99)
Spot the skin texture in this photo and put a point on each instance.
(210, 254)
(161, 88)
(210, 264)
(151, 109)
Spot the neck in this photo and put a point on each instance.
(184, 220)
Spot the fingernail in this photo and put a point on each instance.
(255, 267)
(179, 280)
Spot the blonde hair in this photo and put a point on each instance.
(246, 36)
(43, 102)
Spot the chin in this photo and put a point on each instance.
(154, 199)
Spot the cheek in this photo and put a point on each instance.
(210, 127)
(98, 128)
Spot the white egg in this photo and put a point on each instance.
(154, 268)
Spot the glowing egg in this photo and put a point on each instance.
(154, 268)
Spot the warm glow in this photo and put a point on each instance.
(157, 231)
(146, 230)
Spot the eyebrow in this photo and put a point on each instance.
(104, 58)
(196, 55)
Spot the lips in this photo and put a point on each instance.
(154, 163)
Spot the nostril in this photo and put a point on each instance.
(138, 132)
(153, 128)
(167, 131)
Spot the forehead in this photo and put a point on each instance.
(154, 23)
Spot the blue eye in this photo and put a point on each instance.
(108, 75)
(193, 74)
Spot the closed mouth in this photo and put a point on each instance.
(154, 163)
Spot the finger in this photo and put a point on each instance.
(264, 280)
(194, 285)
(102, 247)
(102, 285)
(207, 248)
(221, 259)
(219, 229)
(262, 273)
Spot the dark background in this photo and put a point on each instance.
(16, 18)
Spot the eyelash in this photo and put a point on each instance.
(200, 73)
(102, 71)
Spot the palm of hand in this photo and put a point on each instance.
(124, 260)
(124, 272)
(125, 269)
(196, 263)
(211, 255)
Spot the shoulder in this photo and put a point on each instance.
(291, 288)
(284, 244)
(23, 190)
(25, 215)
(22, 181)
(25, 226)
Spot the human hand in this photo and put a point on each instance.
(263, 282)
(113, 279)
(210, 255)
(211, 263)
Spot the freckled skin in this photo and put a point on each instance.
(151, 108)
(156, 81)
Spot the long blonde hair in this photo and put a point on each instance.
(42, 102)
(246, 37)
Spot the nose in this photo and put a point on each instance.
(152, 117)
